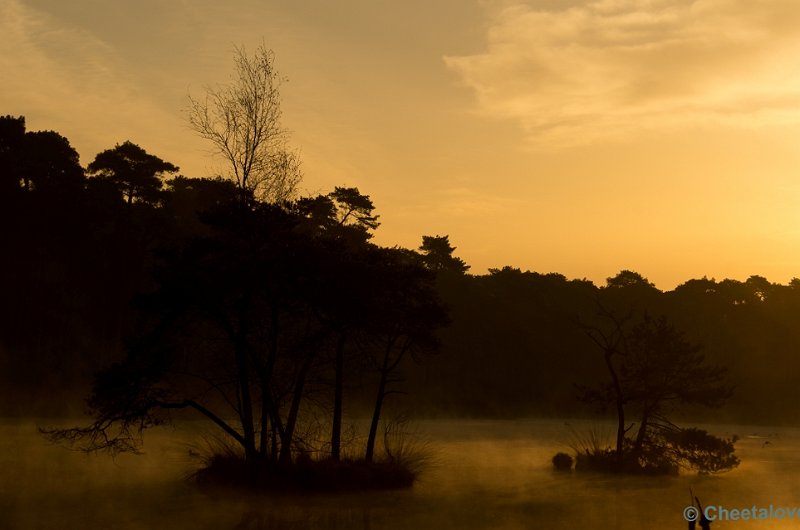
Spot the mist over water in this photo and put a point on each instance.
(484, 474)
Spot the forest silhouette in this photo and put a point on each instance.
(79, 251)
(278, 319)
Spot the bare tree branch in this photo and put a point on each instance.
(243, 122)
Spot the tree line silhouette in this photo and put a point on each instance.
(81, 245)
(154, 292)
(518, 345)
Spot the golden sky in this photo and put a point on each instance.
(579, 137)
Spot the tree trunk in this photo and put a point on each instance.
(190, 403)
(267, 411)
(338, 389)
(387, 368)
(274, 451)
(642, 434)
(376, 415)
(620, 405)
(294, 409)
(620, 434)
(264, 434)
(245, 398)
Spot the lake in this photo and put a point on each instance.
(483, 474)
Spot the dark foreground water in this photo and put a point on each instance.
(492, 474)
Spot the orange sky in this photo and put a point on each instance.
(557, 136)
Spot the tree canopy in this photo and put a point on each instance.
(136, 173)
(438, 255)
(41, 160)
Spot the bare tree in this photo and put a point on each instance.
(243, 122)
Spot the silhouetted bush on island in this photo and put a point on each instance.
(666, 453)
(701, 451)
(562, 462)
(223, 465)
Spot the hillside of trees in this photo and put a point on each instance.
(88, 252)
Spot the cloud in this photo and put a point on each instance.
(613, 68)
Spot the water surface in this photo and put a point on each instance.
(484, 474)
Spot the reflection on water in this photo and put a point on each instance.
(486, 475)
